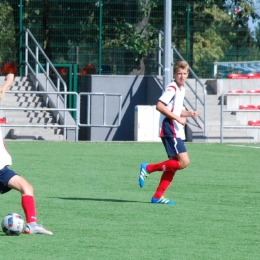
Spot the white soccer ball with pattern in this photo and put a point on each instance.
(13, 224)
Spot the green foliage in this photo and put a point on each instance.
(139, 36)
(208, 48)
(130, 31)
(7, 33)
(140, 43)
(210, 44)
(218, 32)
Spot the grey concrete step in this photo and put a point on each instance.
(20, 87)
(22, 98)
(227, 132)
(50, 132)
(24, 105)
(30, 114)
(36, 134)
(213, 117)
(30, 120)
(216, 139)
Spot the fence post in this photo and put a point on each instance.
(167, 42)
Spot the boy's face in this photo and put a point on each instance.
(180, 76)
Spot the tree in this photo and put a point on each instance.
(136, 33)
(130, 31)
(8, 48)
(218, 28)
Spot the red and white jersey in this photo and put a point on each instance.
(5, 158)
(173, 98)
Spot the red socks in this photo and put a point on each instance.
(28, 205)
(169, 165)
(165, 182)
(169, 168)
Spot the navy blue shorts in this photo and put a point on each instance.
(5, 175)
(173, 146)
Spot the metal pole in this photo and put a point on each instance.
(221, 118)
(20, 37)
(75, 87)
(26, 53)
(160, 55)
(100, 37)
(167, 42)
(188, 34)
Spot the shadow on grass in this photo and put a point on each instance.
(96, 199)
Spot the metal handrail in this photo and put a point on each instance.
(65, 125)
(197, 83)
(89, 94)
(46, 72)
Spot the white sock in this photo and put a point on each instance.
(32, 224)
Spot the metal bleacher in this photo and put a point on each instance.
(223, 69)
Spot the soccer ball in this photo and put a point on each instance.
(13, 224)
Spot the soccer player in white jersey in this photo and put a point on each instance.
(10, 180)
(172, 121)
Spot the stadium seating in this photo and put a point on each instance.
(254, 122)
(10, 67)
(63, 71)
(237, 76)
(236, 91)
(253, 75)
(254, 91)
(247, 107)
(89, 69)
(244, 76)
(2, 120)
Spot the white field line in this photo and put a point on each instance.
(256, 147)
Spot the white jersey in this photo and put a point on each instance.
(5, 158)
(173, 98)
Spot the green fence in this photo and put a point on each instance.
(121, 37)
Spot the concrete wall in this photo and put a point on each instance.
(135, 90)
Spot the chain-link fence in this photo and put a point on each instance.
(120, 37)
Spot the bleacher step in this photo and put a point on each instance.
(36, 134)
(22, 116)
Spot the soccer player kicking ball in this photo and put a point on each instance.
(11, 180)
(172, 121)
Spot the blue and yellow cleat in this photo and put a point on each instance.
(162, 200)
(143, 174)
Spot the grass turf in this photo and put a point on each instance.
(88, 195)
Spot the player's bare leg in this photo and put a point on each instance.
(183, 159)
(25, 188)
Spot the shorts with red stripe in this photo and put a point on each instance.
(173, 146)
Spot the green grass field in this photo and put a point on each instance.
(88, 195)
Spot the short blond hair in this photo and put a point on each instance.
(182, 64)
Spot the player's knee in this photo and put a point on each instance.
(184, 163)
(27, 189)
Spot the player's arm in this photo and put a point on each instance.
(186, 113)
(162, 108)
(8, 82)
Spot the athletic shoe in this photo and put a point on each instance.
(162, 200)
(37, 229)
(143, 174)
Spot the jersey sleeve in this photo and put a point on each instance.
(168, 95)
